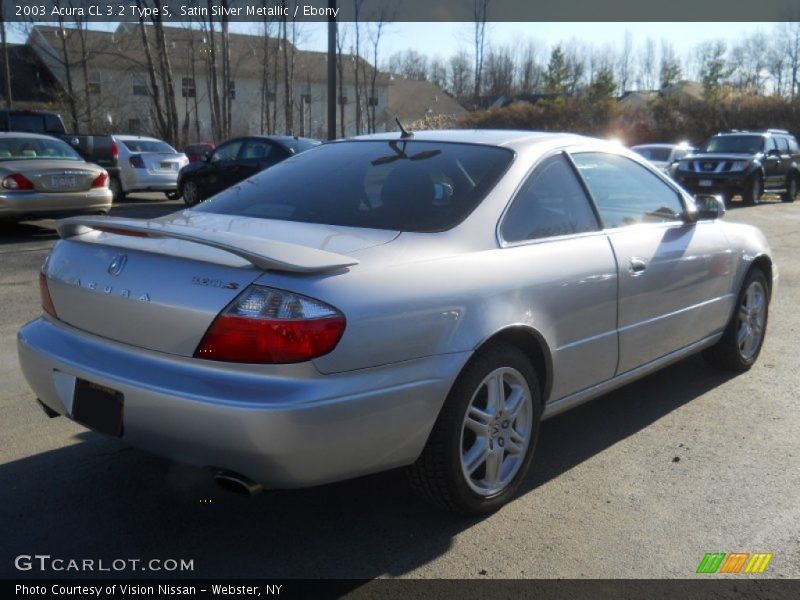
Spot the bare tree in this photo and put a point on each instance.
(789, 33)
(341, 35)
(625, 62)
(6, 64)
(529, 69)
(460, 76)
(383, 16)
(480, 14)
(669, 72)
(647, 65)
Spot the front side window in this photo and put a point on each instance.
(550, 203)
(403, 185)
(625, 192)
(227, 151)
(256, 149)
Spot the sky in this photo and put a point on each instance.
(444, 39)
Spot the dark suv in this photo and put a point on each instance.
(746, 163)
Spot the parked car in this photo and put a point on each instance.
(745, 163)
(98, 149)
(420, 301)
(147, 165)
(42, 177)
(664, 156)
(195, 152)
(234, 161)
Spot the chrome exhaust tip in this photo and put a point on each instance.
(236, 483)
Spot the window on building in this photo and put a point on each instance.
(95, 79)
(187, 87)
(140, 85)
(342, 99)
(373, 101)
(305, 98)
(232, 89)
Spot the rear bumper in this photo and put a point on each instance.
(284, 426)
(139, 180)
(42, 204)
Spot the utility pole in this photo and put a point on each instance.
(331, 70)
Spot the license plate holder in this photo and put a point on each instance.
(705, 183)
(60, 182)
(168, 166)
(98, 407)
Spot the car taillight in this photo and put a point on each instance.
(114, 150)
(15, 181)
(47, 301)
(101, 180)
(137, 162)
(265, 325)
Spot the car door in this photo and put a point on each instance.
(774, 166)
(220, 170)
(259, 154)
(674, 276)
(786, 159)
(565, 274)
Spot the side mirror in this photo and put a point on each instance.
(709, 206)
(774, 152)
(206, 155)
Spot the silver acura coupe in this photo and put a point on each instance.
(399, 300)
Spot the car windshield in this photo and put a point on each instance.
(36, 149)
(653, 153)
(149, 146)
(400, 185)
(737, 144)
(299, 145)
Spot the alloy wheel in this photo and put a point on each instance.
(752, 318)
(496, 431)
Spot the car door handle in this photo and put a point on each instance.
(637, 266)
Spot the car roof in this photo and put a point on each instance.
(638, 146)
(25, 134)
(511, 138)
(132, 138)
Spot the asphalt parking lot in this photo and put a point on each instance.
(639, 483)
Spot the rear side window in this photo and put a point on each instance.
(550, 203)
(256, 149)
(401, 185)
(783, 145)
(148, 146)
(626, 193)
(792, 144)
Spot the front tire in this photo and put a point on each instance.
(483, 441)
(740, 344)
(791, 189)
(753, 191)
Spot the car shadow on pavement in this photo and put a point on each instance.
(14, 233)
(99, 499)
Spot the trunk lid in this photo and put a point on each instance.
(160, 163)
(54, 175)
(163, 291)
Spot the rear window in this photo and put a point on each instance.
(657, 154)
(36, 149)
(148, 146)
(30, 123)
(400, 185)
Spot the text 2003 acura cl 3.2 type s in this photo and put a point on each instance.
(417, 300)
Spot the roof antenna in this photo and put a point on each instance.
(405, 133)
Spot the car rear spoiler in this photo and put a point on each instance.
(262, 253)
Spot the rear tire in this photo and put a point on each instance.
(191, 192)
(753, 191)
(115, 185)
(740, 344)
(483, 442)
(791, 189)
